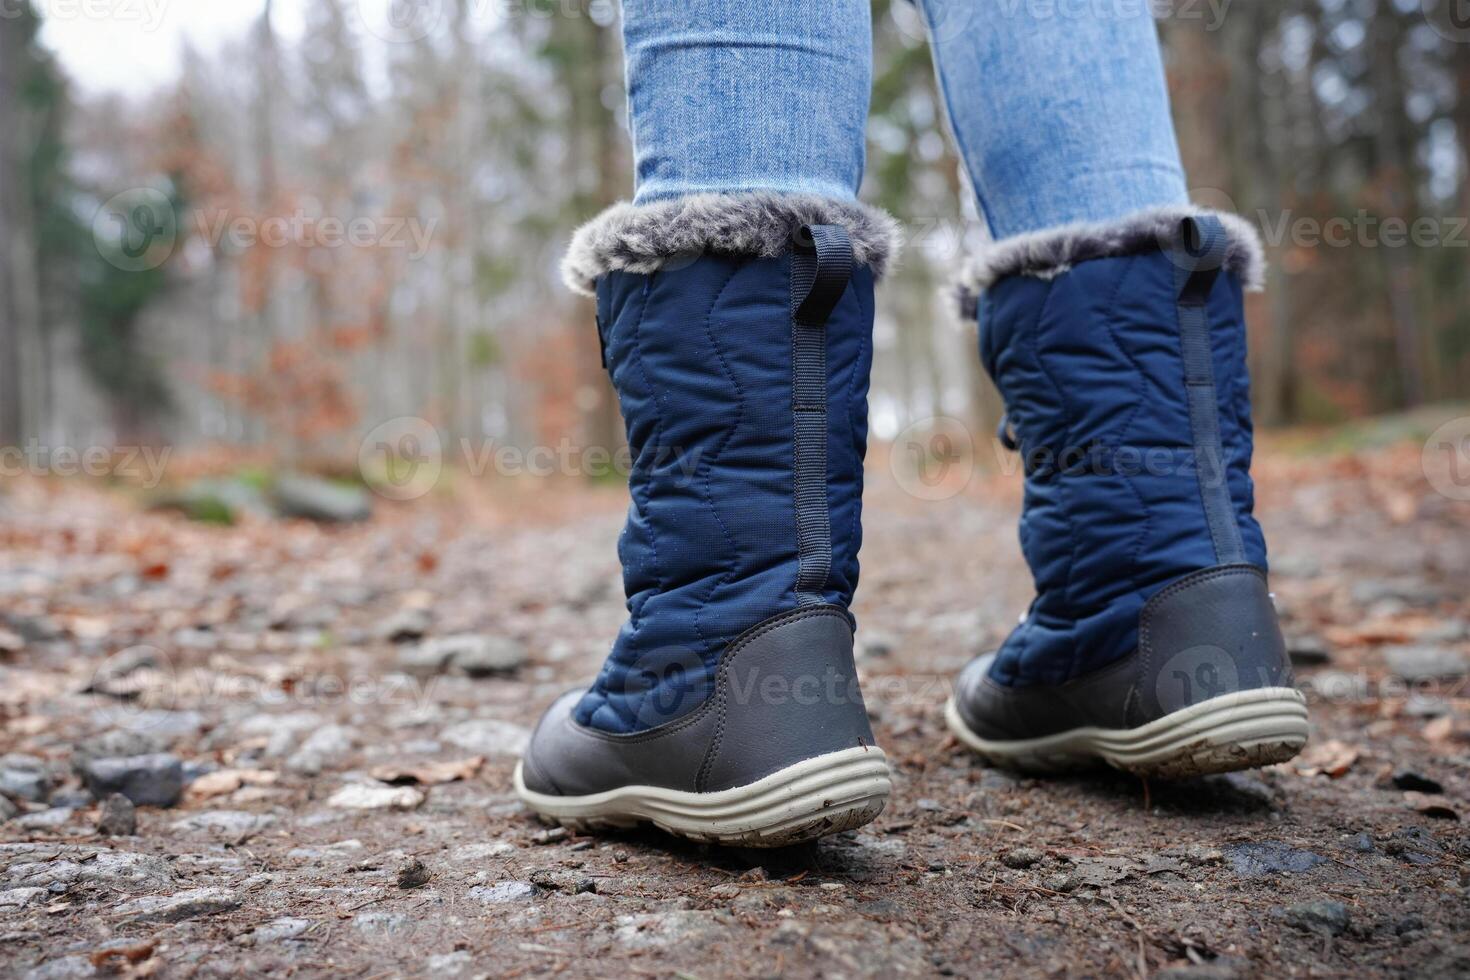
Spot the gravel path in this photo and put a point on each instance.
(321, 723)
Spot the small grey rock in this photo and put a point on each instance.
(406, 624)
(118, 817)
(315, 499)
(1409, 923)
(18, 897)
(450, 964)
(872, 646)
(8, 810)
(1021, 857)
(488, 656)
(24, 777)
(551, 835)
(1320, 916)
(471, 654)
(114, 744)
(1270, 857)
(280, 930)
(1425, 661)
(224, 822)
(189, 904)
(364, 796)
(1307, 650)
(503, 892)
(1410, 591)
(56, 816)
(147, 780)
(488, 736)
(413, 874)
(378, 923)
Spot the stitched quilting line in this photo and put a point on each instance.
(1051, 289)
(864, 316)
(658, 428)
(732, 561)
(599, 684)
(1109, 320)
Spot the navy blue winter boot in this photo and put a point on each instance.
(738, 334)
(1152, 644)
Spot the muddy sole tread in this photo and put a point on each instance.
(1238, 731)
(809, 800)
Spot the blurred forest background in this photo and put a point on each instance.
(465, 156)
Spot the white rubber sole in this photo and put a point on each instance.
(1224, 734)
(811, 799)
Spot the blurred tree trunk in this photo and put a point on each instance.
(267, 190)
(1394, 162)
(20, 307)
(594, 142)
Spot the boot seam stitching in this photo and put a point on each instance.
(855, 534)
(1109, 319)
(1062, 488)
(731, 562)
(701, 778)
(658, 429)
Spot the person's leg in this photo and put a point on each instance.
(735, 311)
(1111, 319)
(731, 97)
(1059, 108)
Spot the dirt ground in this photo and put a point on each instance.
(345, 706)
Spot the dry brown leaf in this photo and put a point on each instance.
(130, 954)
(1431, 806)
(1332, 758)
(224, 781)
(428, 773)
(1441, 729)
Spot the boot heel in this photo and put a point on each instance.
(1224, 734)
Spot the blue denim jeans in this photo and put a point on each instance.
(1059, 107)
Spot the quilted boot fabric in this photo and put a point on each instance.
(703, 355)
(1090, 356)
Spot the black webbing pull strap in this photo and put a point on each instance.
(821, 267)
(1199, 255)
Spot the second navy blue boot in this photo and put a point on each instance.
(738, 334)
(1152, 644)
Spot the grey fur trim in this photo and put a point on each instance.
(1049, 253)
(642, 238)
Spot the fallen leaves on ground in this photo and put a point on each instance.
(1332, 758)
(428, 773)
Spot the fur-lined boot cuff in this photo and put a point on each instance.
(1049, 253)
(642, 238)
